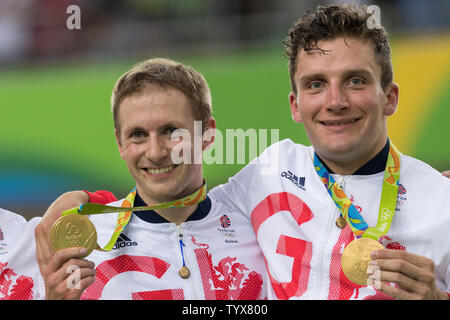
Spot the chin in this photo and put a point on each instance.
(337, 151)
(158, 192)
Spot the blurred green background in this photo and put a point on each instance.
(56, 129)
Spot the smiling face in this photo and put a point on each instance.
(341, 102)
(147, 120)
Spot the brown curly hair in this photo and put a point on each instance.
(335, 21)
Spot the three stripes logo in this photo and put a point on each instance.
(3, 245)
(298, 181)
(123, 241)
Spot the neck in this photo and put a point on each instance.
(348, 166)
(174, 215)
(344, 168)
(177, 215)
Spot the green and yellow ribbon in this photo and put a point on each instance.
(127, 209)
(387, 203)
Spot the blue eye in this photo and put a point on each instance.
(356, 81)
(315, 85)
(138, 135)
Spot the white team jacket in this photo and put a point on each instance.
(220, 251)
(20, 278)
(294, 220)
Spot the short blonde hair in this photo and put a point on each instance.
(165, 73)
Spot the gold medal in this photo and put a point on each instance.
(356, 257)
(184, 272)
(73, 230)
(340, 222)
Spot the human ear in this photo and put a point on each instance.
(392, 96)
(209, 134)
(295, 110)
(121, 149)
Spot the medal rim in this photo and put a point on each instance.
(56, 234)
(347, 258)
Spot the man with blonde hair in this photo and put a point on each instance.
(194, 247)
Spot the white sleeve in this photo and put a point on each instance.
(18, 258)
(234, 192)
(237, 192)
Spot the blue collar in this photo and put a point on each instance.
(151, 216)
(375, 165)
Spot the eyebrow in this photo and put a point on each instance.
(348, 73)
(170, 123)
(130, 130)
(358, 72)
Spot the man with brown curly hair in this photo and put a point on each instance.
(350, 210)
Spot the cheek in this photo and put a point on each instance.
(369, 101)
(132, 152)
(310, 104)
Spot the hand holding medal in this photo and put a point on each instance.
(412, 274)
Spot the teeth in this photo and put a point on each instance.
(339, 123)
(160, 170)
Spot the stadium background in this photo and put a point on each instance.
(56, 131)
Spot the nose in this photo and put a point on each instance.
(156, 149)
(336, 99)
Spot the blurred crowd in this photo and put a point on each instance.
(35, 30)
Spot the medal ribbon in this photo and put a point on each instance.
(387, 203)
(127, 209)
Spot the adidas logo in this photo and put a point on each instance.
(299, 182)
(123, 241)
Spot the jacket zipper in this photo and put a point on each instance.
(341, 181)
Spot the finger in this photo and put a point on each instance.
(73, 267)
(446, 173)
(75, 278)
(400, 267)
(63, 255)
(75, 294)
(67, 277)
(414, 259)
(395, 292)
(70, 291)
(77, 265)
(400, 279)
